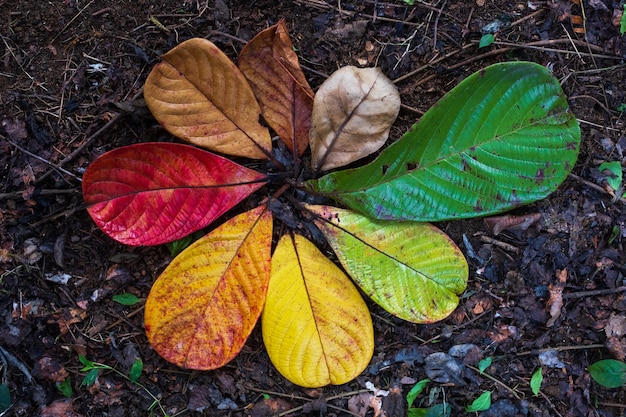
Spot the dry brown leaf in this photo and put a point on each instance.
(200, 96)
(272, 68)
(498, 224)
(353, 111)
(556, 297)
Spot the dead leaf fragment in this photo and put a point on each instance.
(360, 404)
(353, 112)
(498, 224)
(556, 297)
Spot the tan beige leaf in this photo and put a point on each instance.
(353, 111)
(200, 96)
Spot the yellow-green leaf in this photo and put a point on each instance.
(316, 327)
(411, 269)
(199, 95)
(204, 306)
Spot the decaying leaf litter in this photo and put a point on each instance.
(573, 233)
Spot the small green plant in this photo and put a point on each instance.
(126, 299)
(502, 138)
(614, 176)
(485, 363)
(482, 403)
(609, 373)
(536, 380)
(434, 409)
(486, 40)
(65, 387)
(622, 25)
(93, 370)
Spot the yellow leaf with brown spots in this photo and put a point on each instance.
(204, 306)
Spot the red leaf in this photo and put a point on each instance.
(152, 193)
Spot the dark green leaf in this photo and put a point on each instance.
(609, 373)
(504, 137)
(126, 299)
(416, 390)
(135, 370)
(536, 380)
(482, 403)
(90, 378)
(65, 387)
(5, 398)
(486, 40)
(439, 410)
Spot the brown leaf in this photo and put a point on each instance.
(199, 95)
(353, 112)
(272, 68)
(359, 404)
(498, 224)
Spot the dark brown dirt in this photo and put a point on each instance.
(70, 72)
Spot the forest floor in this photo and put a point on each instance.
(71, 74)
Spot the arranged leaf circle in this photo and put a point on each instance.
(316, 327)
(205, 304)
(412, 270)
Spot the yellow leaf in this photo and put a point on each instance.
(316, 327)
(199, 95)
(353, 111)
(204, 306)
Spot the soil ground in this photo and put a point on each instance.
(70, 76)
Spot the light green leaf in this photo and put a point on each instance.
(502, 138)
(482, 403)
(410, 269)
(536, 380)
(613, 169)
(609, 373)
(484, 364)
(486, 40)
(622, 22)
(90, 378)
(416, 390)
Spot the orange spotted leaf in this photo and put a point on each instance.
(204, 306)
(153, 193)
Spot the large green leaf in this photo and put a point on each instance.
(412, 270)
(502, 138)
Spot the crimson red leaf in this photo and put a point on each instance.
(152, 193)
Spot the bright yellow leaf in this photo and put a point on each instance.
(204, 306)
(316, 327)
